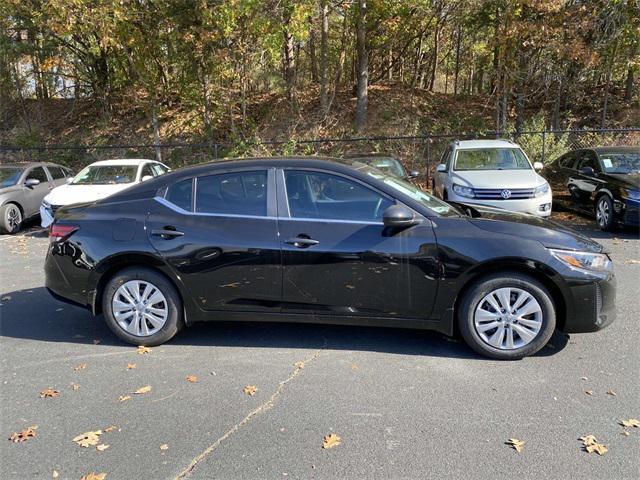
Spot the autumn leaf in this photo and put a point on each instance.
(49, 393)
(75, 386)
(94, 476)
(354, 366)
(633, 262)
(142, 350)
(299, 365)
(124, 398)
(23, 435)
(589, 392)
(111, 428)
(192, 379)
(88, 439)
(517, 445)
(612, 393)
(632, 422)
(55, 474)
(143, 390)
(250, 389)
(597, 448)
(588, 440)
(102, 447)
(331, 440)
(164, 446)
(131, 366)
(82, 366)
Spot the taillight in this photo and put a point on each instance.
(57, 231)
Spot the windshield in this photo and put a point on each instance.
(106, 175)
(492, 159)
(620, 162)
(429, 201)
(388, 165)
(9, 176)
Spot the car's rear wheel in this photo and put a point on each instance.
(142, 307)
(10, 218)
(604, 212)
(507, 316)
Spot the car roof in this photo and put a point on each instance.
(469, 144)
(123, 161)
(369, 155)
(619, 149)
(29, 164)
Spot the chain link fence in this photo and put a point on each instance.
(421, 153)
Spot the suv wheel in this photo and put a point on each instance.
(10, 218)
(507, 316)
(604, 212)
(142, 307)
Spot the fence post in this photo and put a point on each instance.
(544, 140)
(428, 138)
(215, 150)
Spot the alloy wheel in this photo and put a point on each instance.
(14, 218)
(140, 308)
(508, 318)
(602, 213)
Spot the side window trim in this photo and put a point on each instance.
(284, 212)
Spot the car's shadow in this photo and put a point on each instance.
(34, 315)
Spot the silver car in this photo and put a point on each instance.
(22, 188)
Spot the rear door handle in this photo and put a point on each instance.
(166, 233)
(301, 242)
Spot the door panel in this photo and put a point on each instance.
(351, 266)
(582, 186)
(33, 195)
(226, 261)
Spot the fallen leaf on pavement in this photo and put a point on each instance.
(250, 389)
(331, 440)
(299, 365)
(88, 439)
(23, 435)
(49, 393)
(111, 428)
(589, 392)
(588, 440)
(143, 390)
(597, 448)
(82, 366)
(584, 378)
(102, 447)
(632, 422)
(517, 445)
(625, 433)
(164, 446)
(124, 398)
(191, 378)
(612, 393)
(94, 476)
(55, 474)
(131, 366)
(143, 350)
(75, 386)
(633, 262)
(354, 366)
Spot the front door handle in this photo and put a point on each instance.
(301, 242)
(166, 233)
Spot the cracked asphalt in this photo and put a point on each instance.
(406, 404)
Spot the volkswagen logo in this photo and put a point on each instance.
(505, 194)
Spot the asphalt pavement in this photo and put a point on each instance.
(405, 404)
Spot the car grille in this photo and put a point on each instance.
(496, 193)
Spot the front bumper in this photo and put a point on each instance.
(46, 216)
(529, 205)
(592, 306)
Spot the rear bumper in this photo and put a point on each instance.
(593, 306)
(57, 282)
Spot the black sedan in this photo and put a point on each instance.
(604, 181)
(323, 241)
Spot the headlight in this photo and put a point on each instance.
(542, 189)
(585, 261)
(463, 191)
(631, 194)
(46, 205)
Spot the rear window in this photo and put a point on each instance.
(56, 172)
(181, 194)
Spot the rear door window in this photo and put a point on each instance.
(236, 193)
(181, 194)
(56, 172)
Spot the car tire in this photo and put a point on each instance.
(10, 218)
(475, 314)
(170, 301)
(604, 213)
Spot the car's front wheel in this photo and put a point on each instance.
(604, 212)
(10, 218)
(507, 316)
(142, 307)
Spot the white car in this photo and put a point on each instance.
(97, 181)
(495, 173)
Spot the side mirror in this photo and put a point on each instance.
(31, 182)
(538, 165)
(146, 177)
(399, 216)
(414, 174)
(588, 171)
(69, 180)
(441, 168)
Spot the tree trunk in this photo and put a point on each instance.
(457, 69)
(629, 85)
(434, 61)
(312, 55)
(341, 61)
(324, 46)
(156, 131)
(288, 61)
(390, 64)
(363, 65)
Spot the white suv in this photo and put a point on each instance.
(496, 173)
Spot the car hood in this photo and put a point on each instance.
(497, 178)
(549, 233)
(630, 180)
(70, 194)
